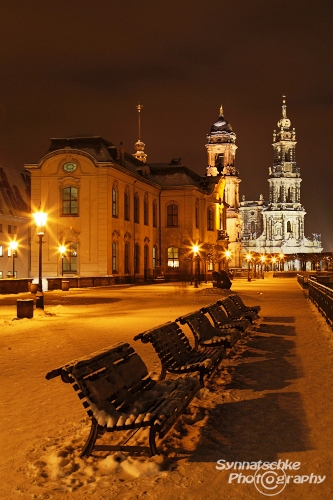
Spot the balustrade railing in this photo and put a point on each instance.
(322, 297)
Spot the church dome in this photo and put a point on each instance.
(221, 130)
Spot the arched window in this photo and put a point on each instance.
(127, 258)
(136, 208)
(126, 205)
(154, 213)
(145, 210)
(69, 262)
(253, 226)
(288, 226)
(173, 257)
(69, 201)
(172, 215)
(210, 219)
(114, 257)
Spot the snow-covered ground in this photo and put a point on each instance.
(235, 417)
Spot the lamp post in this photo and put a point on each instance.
(13, 246)
(62, 251)
(248, 258)
(195, 249)
(227, 255)
(262, 260)
(274, 263)
(40, 221)
(281, 256)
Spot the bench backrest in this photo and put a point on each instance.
(217, 314)
(111, 379)
(232, 310)
(200, 326)
(170, 343)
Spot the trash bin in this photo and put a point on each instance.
(65, 286)
(34, 287)
(25, 308)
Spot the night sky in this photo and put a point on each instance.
(71, 67)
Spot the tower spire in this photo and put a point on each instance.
(221, 110)
(284, 107)
(139, 145)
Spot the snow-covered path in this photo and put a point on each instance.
(276, 393)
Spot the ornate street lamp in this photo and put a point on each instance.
(62, 251)
(248, 258)
(40, 221)
(13, 247)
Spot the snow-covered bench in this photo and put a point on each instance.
(207, 335)
(118, 394)
(234, 310)
(176, 354)
(221, 319)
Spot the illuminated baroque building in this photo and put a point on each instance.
(278, 225)
(123, 217)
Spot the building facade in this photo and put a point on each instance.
(14, 223)
(276, 226)
(121, 217)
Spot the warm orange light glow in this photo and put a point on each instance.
(248, 257)
(263, 258)
(273, 260)
(13, 245)
(62, 249)
(227, 253)
(281, 255)
(40, 218)
(195, 249)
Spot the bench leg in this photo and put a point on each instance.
(163, 373)
(152, 443)
(88, 447)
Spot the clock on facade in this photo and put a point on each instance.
(70, 166)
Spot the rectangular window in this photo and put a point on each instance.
(154, 256)
(172, 215)
(173, 257)
(114, 257)
(0, 228)
(114, 203)
(126, 206)
(197, 215)
(145, 212)
(1, 275)
(69, 201)
(126, 258)
(9, 229)
(15, 230)
(1, 251)
(154, 213)
(136, 208)
(210, 219)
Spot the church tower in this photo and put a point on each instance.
(283, 214)
(221, 151)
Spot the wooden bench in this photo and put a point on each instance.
(118, 394)
(234, 312)
(245, 309)
(221, 320)
(176, 354)
(205, 334)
